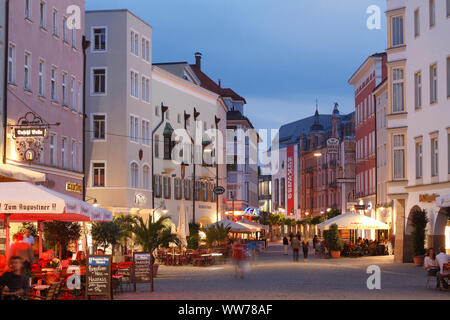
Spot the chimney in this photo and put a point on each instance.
(220, 84)
(198, 60)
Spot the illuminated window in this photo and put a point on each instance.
(98, 174)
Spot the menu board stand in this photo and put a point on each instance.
(99, 276)
(142, 268)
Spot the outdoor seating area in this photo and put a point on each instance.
(201, 257)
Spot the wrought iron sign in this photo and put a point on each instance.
(29, 133)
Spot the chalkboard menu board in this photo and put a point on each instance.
(142, 267)
(98, 276)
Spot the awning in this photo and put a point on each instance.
(26, 202)
(443, 201)
(20, 174)
(354, 221)
(235, 227)
(254, 224)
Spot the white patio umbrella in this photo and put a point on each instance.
(353, 221)
(443, 201)
(183, 226)
(235, 227)
(254, 224)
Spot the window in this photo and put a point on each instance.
(416, 23)
(177, 188)
(63, 153)
(12, 64)
(167, 187)
(157, 188)
(448, 8)
(157, 111)
(132, 41)
(64, 89)
(65, 30)
(145, 89)
(179, 118)
(146, 177)
(99, 81)
(99, 35)
(418, 90)
(42, 13)
(277, 193)
(55, 22)
(419, 160)
(283, 192)
(433, 84)
(28, 9)
(80, 97)
(99, 126)
(27, 72)
(187, 189)
(52, 150)
(73, 153)
(204, 192)
(156, 147)
(399, 156)
(134, 173)
(41, 78)
(398, 99)
(198, 186)
(145, 47)
(432, 13)
(434, 157)
(448, 152)
(145, 132)
(134, 84)
(397, 31)
(53, 84)
(98, 174)
(136, 44)
(134, 128)
(80, 156)
(167, 147)
(73, 96)
(74, 37)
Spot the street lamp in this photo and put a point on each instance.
(163, 210)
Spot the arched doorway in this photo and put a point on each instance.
(441, 231)
(407, 244)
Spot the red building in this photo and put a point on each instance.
(369, 75)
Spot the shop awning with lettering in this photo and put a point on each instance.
(14, 173)
(26, 202)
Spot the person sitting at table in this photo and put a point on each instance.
(442, 258)
(430, 264)
(80, 259)
(23, 250)
(14, 282)
(68, 261)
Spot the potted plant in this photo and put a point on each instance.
(334, 242)
(418, 221)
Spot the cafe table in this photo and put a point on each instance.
(37, 288)
(174, 257)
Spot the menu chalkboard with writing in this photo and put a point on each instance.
(142, 267)
(98, 276)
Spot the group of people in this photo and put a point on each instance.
(434, 264)
(296, 243)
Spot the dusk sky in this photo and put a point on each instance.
(279, 55)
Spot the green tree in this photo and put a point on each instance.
(216, 234)
(193, 238)
(332, 213)
(60, 233)
(333, 238)
(112, 233)
(418, 221)
(30, 226)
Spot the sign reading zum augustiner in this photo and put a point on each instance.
(11, 207)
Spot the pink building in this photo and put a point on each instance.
(45, 84)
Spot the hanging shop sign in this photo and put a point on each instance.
(250, 211)
(140, 199)
(290, 180)
(219, 190)
(29, 133)
(74, 187)
(428, 197)
(333, 146)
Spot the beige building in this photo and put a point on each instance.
(176, 86)
(418, 119)
(119, 112)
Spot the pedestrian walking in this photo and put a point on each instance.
(239, 256)
(285, 245)
(305, 247)
(315, 239)
(295, 245)
(291, 236)
(299, 236)
(318, 250)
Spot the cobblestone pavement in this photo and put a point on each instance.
(275, 276)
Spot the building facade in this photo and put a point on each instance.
(265, 193)
(2, 72)
(193, 113)
(119, 112)
(45, 90)
(368, 76)
(418, 118)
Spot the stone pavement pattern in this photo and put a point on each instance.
(274, 276)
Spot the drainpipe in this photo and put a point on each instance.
(217, 120)
(196, 114)
(85, 44)
(5, 78)
(163, 110)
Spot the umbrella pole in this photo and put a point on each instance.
(6, 222)
(40, 238)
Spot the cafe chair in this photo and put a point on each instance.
(52, 292)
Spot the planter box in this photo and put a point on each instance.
(335, 254)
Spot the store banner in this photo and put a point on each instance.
(290, 180)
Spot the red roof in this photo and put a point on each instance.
(207, 83)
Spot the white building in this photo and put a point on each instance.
(418, 119)
(119, 111)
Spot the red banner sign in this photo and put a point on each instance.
(290, 180)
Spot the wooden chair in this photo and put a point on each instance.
(197, 259)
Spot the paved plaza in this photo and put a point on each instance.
(275, 276)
